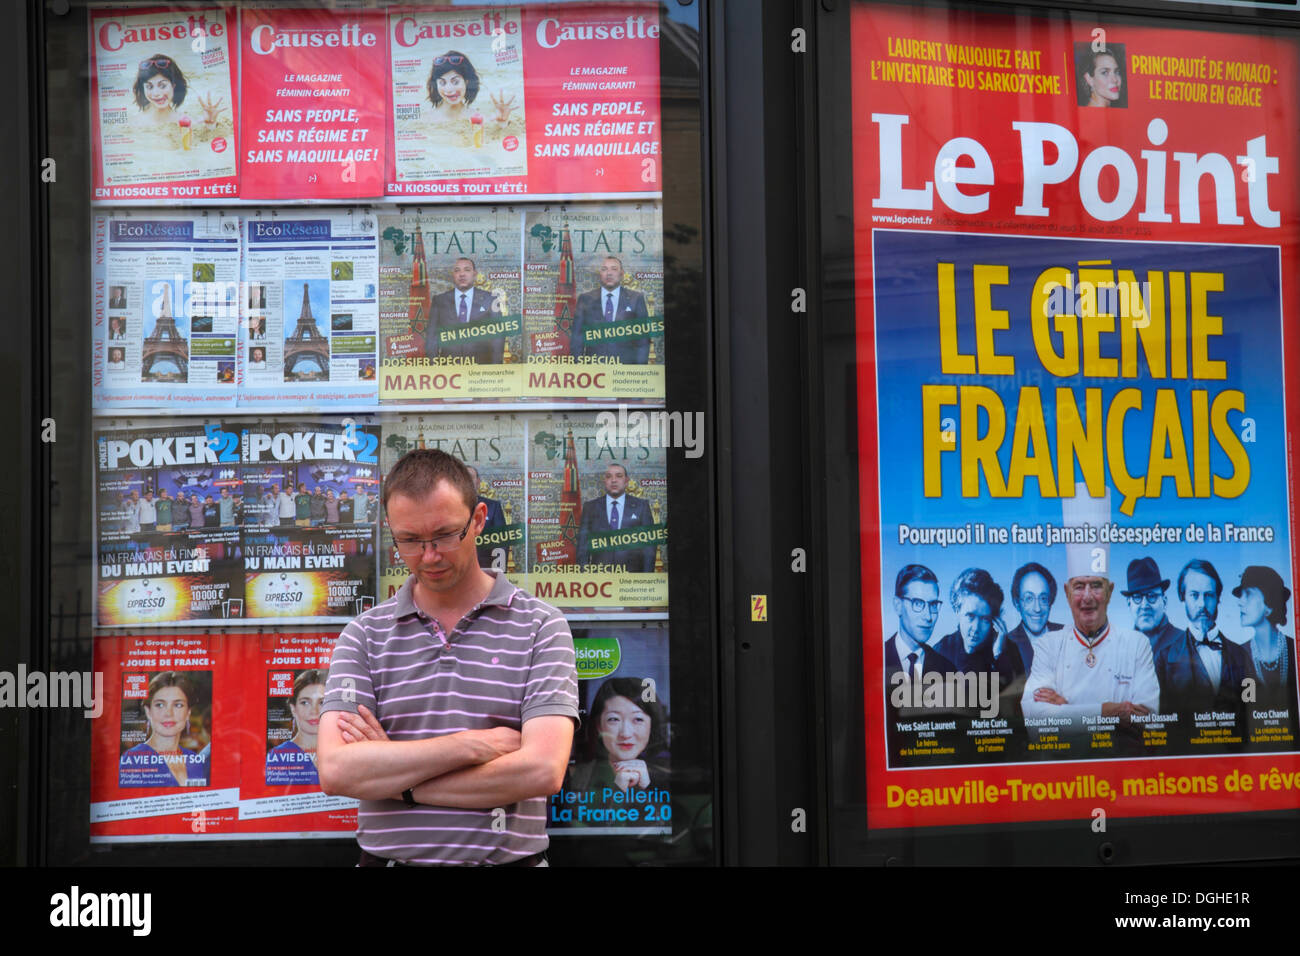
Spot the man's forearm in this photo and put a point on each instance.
(381, 769)
(497, 783)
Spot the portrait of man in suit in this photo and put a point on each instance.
(1200, 668)
(608, 304)
(1146, 599)
(460, 305)
(907, 652)
(496, 518)
(1033, 592)
(615, 511)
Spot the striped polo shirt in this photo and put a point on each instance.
(508, 660)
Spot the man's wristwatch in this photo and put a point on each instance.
(408, 797)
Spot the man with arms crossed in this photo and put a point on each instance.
(451, 706)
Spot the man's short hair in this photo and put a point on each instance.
(466, 259)
(418, 472)
(910, 573)
(617, 464)
(1204, 567)
(615, 258)
(1033, 567)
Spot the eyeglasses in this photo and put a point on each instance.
(442, 544)
(1150, 597)
(1035, 602)
(918, 605)
(454, 59)
(159, 61)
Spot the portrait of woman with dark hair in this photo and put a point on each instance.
(625, 741)
(163, 760)
(1263, 599)
(453, 87)
(1099, 75)
(294, 761)
(980, 642)
(160, 88)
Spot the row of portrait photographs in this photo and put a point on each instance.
(1180, 676)
(199, 522)
(274, 103)
(204, 736)
(360, 307)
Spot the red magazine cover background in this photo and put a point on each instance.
(112, 655)
(259, 655)
(265, 76)
(938, 114)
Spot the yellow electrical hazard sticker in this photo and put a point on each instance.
(758, 607)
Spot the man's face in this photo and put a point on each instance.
(1200, 600)
(275, 489)
(918, 610)
(302, 486)
(1034, 603)
(1088, 595)
(443, 511)
(135, 496)
(611, 274)
(1148, 609)
(615, 480)
(148, 495)
(166, 493)
(463, 274)
(225, 492)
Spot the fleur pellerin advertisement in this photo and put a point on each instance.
(164, 100)
(619, 777)
(1076, 259)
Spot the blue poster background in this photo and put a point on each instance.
(907, 308)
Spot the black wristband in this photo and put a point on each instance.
(408, 797)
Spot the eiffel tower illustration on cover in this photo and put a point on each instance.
(306, 344)
(166, 344)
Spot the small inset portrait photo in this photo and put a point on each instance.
(117, 297)
(116, 328)
(117, 358)
(1099, 74)
(257, 357)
